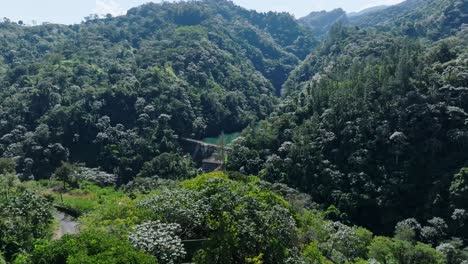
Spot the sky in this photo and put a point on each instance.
(73, 11)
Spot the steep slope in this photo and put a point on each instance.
(434, 19)
(321, 22)
(117, 91)
(367, 11)
(374, 123)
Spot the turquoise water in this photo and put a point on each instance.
(227, 137)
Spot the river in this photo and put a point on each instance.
(68, 225)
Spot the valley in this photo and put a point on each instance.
(204, 132)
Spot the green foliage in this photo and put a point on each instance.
(24, 217)
(313, 255)
(8, 183)
(7, 166)
(88, 248)
(202, 67)
(146, 185)
(160, 240)
(387, 250)
(116, 217)
(67, 174)
(255, 260)
(453, 251)
(88, 197)
(321, 22)
(8, 178)
(241, 220)
(232, 221)
(370, 129)
(187, 208)
(373, 123)
(459, 189)
(434, 19)
(346, 243)
(211, 208)
(408, 230)
(171, 166)
(199, 182)
(96, 176)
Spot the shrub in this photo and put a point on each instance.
(160, 240)
(89, 248)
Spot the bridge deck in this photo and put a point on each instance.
(204, 143)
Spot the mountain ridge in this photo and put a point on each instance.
(352, 146)
(320, 22)
(368, 10)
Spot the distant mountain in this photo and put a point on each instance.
(434, 19)
(367, 11)
(321, 22)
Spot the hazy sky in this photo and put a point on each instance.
(73, 11)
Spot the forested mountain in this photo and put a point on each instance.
(354, 143)
(115, 92)
(321, 22)
(434, 19)
(367, 11)
(375, 124)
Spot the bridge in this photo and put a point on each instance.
(205, 144)
(208, 155)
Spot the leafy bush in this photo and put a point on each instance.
(169, 166)
(24, 217)
(89, 248)
(160, 240)
(116, 217)
(96, 176)
(88, 197)
(387, 250)
(312, 254)
(346, 243)
(187, 208)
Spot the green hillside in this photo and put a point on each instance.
(347, 133)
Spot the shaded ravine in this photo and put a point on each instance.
(68, 225)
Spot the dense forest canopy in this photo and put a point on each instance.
(115, 92)
(354, 142)
(374, 122)
(434, 19)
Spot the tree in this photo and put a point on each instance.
(67, 174)
(8, 177)
(387, 250)
(160, 240)
(96, 176)
(24, 217)
(313, 255)
(187, 208)
(435, 232)
(347, 243)
(169, 166)
(453, 251)
(7, 166)
(7, 183)
(408, 230)
(459, 189)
